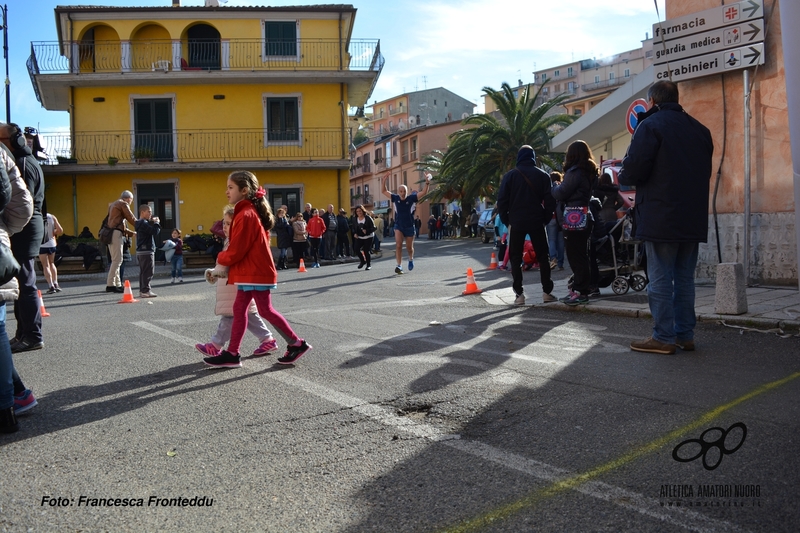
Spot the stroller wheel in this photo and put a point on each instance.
(619, 285)
(638, 282)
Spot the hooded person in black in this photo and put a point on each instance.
(525, 204)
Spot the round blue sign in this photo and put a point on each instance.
(637, 106)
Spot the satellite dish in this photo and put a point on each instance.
(464, 115)
(412, 121)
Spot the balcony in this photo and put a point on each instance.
(54, 67)
(361, 169)
(605, 83)
(397, 111)
(201, 148)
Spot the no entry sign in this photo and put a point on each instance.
(637, 106)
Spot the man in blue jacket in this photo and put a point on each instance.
(526, 204)
(669, 162)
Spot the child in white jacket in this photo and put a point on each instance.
(226, 294)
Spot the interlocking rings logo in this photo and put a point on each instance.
(707, 446)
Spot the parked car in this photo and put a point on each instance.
(486, 226)
(627, 192)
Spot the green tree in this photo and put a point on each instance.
(478, 155)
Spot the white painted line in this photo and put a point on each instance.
(681, 517)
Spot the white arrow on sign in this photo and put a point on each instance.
(709, 19)
(706, 65)
(710, 41)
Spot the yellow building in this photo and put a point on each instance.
(167, 101)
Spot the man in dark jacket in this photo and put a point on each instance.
(329, 237)
(25, 244)
(526, 205)
(342, 234)
(669, 162)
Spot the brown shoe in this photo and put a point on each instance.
(650, 345)
(686, 346)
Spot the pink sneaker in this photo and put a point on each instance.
(267, 347)
(207, 349)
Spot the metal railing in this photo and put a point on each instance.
(191, 146)
(605, 83)
(81, 57)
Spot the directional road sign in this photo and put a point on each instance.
(709, 41)
(710, 19)
(705, 65)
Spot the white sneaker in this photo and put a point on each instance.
(173, 280)
(520, 300)
(180, 280)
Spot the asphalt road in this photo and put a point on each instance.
(417, 410)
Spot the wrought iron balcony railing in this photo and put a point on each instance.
(605, 83)
(84, 57)
(193, 146)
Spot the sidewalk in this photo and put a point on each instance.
(767, 307)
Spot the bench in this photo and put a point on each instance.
(74, 265)
(198, 260)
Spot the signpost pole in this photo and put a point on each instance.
(746, 224)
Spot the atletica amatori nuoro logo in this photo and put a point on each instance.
(737, 433)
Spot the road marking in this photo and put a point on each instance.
(586, 481)
(562, 479)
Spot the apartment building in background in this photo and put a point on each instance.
(585, 82)
(419, 108)
(167, 101)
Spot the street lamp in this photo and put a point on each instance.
(5, 55)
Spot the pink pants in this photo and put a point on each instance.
(263, 301)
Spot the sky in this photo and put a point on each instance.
(461, 45)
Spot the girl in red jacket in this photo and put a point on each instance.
(316, 229)
(252, 270)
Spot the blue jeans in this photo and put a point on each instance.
(555, 239)
(177, 266)
(7, 373)
(670, 267)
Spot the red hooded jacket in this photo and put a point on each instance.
(248, 255)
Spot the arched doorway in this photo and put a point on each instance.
(203, 47)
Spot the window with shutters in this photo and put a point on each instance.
(282, 118)
(280, 39)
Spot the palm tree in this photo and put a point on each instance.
(478, 156)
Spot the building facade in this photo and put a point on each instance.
(399, 156)
(419, 108)
(586, 82)
(166, 102)
(717, 101)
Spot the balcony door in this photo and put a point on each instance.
(152, 125)
(204, 47)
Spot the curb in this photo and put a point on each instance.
(735, 320)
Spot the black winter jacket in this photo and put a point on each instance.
(576, 187)
(283, 232)
(522, 204)
(669, 162)
(26, 243)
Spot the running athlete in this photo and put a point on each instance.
(404, 205)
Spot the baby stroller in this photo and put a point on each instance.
(616, 259)
(619, 259)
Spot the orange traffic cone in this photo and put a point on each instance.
(41, 305)
(127, 297)
(302, 266)
(472, 287)
(493, 262)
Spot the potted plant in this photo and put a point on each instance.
(112, 161)
(142, 154)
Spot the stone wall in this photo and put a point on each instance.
(773, 251)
